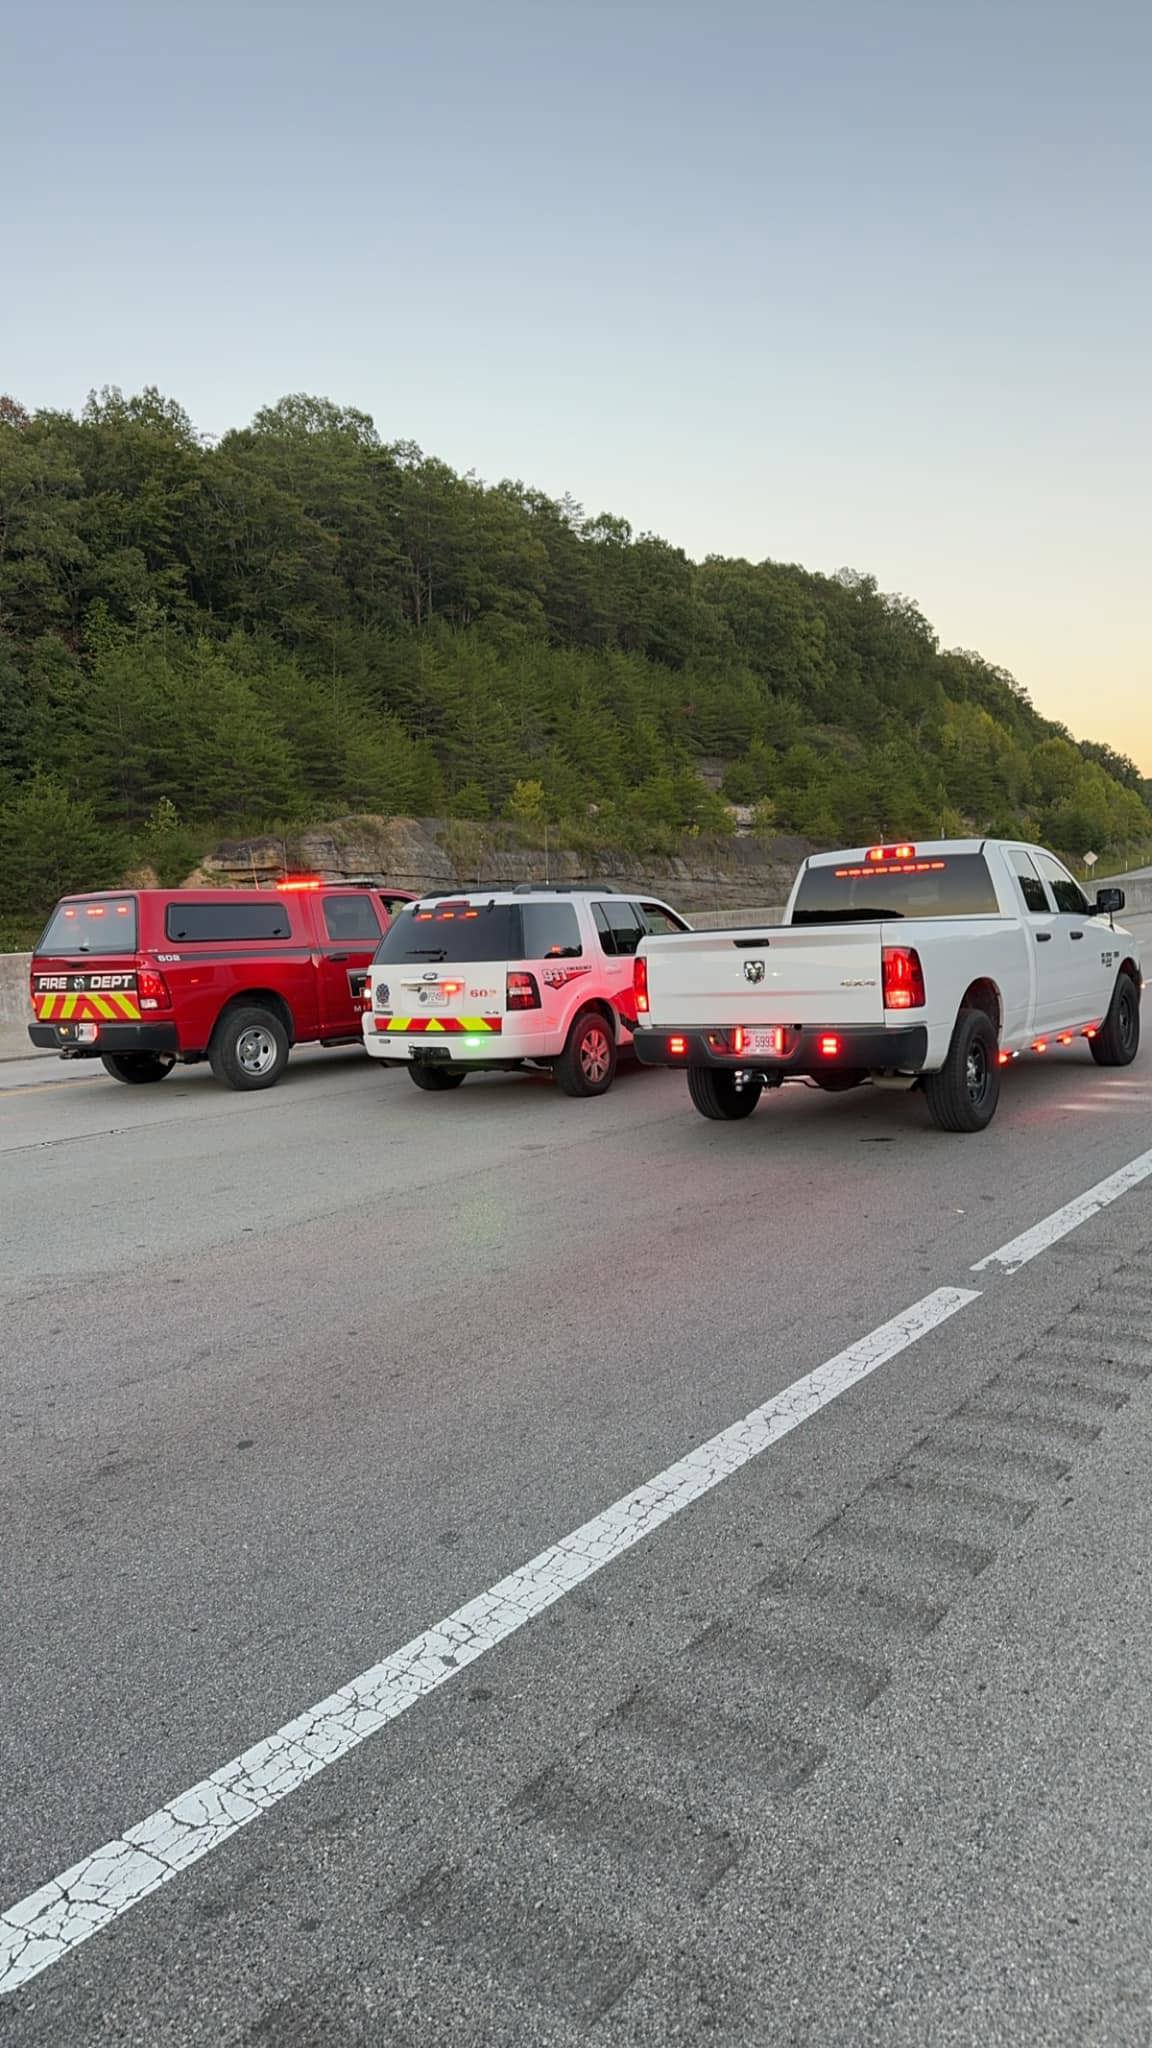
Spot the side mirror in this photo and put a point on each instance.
(1109, 901)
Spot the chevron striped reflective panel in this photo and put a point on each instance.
(80, 998)
(450, 1026)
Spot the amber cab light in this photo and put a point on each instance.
(876, 854)
(903, 978)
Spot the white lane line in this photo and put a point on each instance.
(44, 1927)
(1019, 1250)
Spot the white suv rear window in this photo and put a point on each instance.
(551, 931)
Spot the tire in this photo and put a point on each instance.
(587, 1065)
(1117, 1042)
(963, 1095)
(249, 1048)
(436, 1080)
(137, 1068)
(715, 1094)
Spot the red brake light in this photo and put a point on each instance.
(903, 978)
(452, 988)
(522, 992)
(640, 984)
(152, 989)
(829, 1046)
(677, 1045)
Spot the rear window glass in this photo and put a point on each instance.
(952, 885)
(192, 921)
(454, 931)
(103, 925)
(551, 931)
(351, 917)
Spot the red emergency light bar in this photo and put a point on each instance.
(875, 854)
(298, 882)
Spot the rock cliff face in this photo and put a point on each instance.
(437, 853)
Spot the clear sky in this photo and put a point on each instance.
(845, 282)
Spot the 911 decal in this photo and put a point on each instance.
(560, 975)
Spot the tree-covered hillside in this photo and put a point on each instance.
(304, 620)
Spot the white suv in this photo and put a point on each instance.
(498, 977)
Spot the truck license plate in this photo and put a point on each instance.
(768, 1043)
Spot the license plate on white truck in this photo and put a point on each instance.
(765, 1044)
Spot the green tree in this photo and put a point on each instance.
(50, 844)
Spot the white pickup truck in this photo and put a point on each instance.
(930, 966)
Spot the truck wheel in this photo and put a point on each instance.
(587, 1065)
(249, 1049)
(715, 1094)
(436, 1079)
(136, 1068)
(963, 1095)
(1118, 1040)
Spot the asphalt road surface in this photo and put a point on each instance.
(404, 1641)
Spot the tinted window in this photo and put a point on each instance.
(952, 885)
(103, 925)
(227, 921)
(619, 926)
(551, 931)
(351, 917)
(1031, 887)
(1070, 897)
(454, 931)
(659, 920)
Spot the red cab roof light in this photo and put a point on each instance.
(300, 882)
(876, 854)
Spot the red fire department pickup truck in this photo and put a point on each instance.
(143, 978)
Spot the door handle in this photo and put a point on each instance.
(339, 956)
(1042, 938)
(1075, 935)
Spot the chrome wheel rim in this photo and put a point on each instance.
(256, 1050)
(595, 1054)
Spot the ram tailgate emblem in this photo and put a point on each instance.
(753, 970)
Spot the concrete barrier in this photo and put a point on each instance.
(15, 1008)
(725, 920)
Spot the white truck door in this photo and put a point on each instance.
(1085, 980)
(1049, 987)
